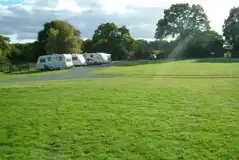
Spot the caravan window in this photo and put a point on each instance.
(74, 58)
(60, 58)
(68, 59)
(42, 60)
(49, 58)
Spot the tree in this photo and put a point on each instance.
(59, 37)
(231, 27)
(4, 62)
(227, 46)
(17, 53)
(111, 39)
(126, 38)
(24, 52)
(4, 45)
(203, 44)
(158, 44)
(141, 49)
(181, 20)
(87, 46)
(51, 45)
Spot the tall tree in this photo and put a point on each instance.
(4, 45)
(24, 52)
(231, 27)
(111, 39)
(181, 20)
(141, 49)
(51, 45)
(203, 44)
(4, 62)
(88, 46)
(59, 37)
(163, 46)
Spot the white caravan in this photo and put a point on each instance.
(107, 57)
(78, 60)
(97, 58)
(93, 58)
(54, 61)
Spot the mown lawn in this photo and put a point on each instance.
(27, 74)
(122, 118)
(175, 68)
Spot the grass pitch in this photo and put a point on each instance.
(140, 115)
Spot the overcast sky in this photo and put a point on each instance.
(22, 19)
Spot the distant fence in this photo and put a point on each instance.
(18, 68)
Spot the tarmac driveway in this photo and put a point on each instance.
(74, 73)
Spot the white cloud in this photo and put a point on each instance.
(140, 16)
(56, 5)
(4, 11)
(217, 11)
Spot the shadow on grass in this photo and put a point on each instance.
(217, 60)
(27, 72)
(180, 76)
(130, 63)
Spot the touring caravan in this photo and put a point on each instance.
(107, 57)
(97, 58)
(54, 61)
(93, 58)
(78, 60)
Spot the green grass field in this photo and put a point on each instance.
(27, 74)
(187, 68)
(137, 116)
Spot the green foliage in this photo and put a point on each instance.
(161, 30)
(231, 27)
(4, 63)
(4, 45)
(60, 37)
(23, 53)
(163, 46)
(141, 49)
(182, 19)
(203, 43)
(51, 46)
(111, 39)
(227, 46)
(88, 46)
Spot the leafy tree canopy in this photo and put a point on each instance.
(60, 37)
(231, 27)
(182, 19)
(112, 39)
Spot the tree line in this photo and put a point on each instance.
(187, 25)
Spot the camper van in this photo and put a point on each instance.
(54, 61)
(97, 58)
(78, 60)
